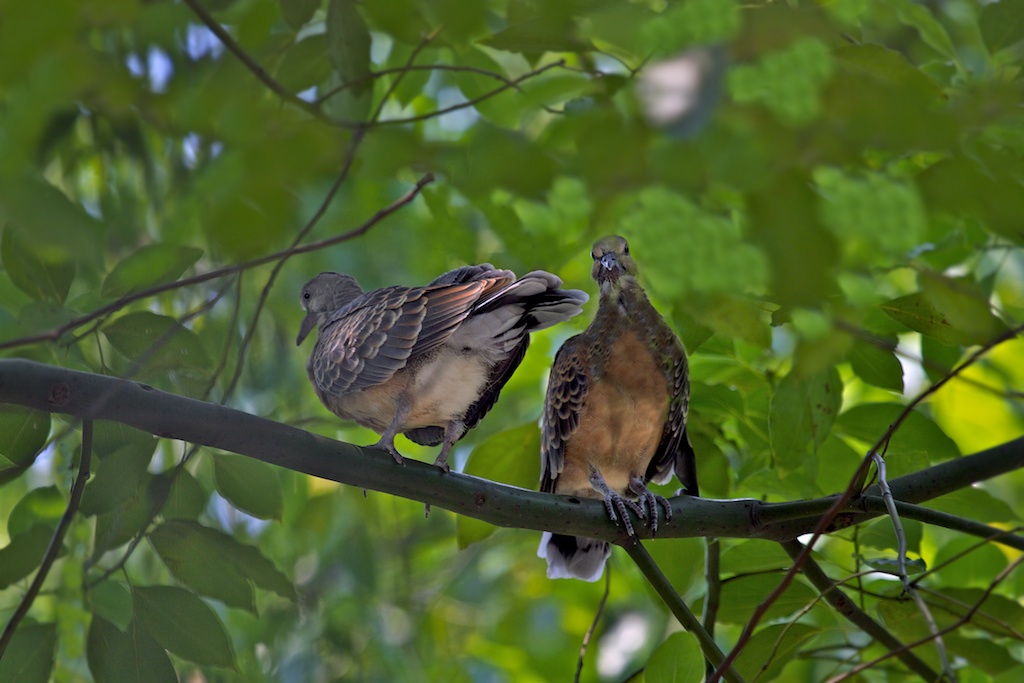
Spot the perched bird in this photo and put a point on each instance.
(426, 361)
(615, 413)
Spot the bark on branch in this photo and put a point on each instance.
(98, 397)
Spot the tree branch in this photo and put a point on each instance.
(855, 615)
(57, 332)
(89, 396)
(687, 619)
(56, 541)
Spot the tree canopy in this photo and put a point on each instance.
(824, 199)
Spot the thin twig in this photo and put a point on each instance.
(948, 629)
(476, 100)
(686, 618)
(57, 332)
(56, 541)
(350, 155)
(593, 625)
(856, 482)
(373, 75)
(901, 566)
(854, 614)
(253, 66)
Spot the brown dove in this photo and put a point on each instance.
(615, 413)
(426, 361)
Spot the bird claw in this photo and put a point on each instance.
(389, 446)
(442, 462)
(613, 502)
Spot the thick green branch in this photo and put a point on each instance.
(90, 396)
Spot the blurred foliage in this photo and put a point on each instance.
(832, 216)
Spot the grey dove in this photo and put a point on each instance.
(615, 413)
(429, 361)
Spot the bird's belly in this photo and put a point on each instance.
(442, 389)
(622, 421)
(445, 387)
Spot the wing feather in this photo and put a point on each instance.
(566, 395)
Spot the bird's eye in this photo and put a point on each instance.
(625, 250)
(305, 295)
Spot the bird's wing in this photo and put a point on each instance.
(367, 342)
(567, 391)
(674, 450)
(377, 335)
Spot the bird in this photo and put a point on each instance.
(615, 413)
(427, 361)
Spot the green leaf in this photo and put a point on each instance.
(44, 505)
(890, 565)
(118, 477)
(969, 565)
(112, 601)
(510, 457)
(802, 412)
(49, 225)
(130, 656)
(132, 515)
(187, 499)
(977, 504)
(742, 595)
(152, 265)
(877, 365)
(755, 555)
(995, 612)
(917, 443)
(23, 433)
(677, 660)
(928, 27)
(158, 342)
(788, 82)
(30, 653)
(248, 484)
(348, 45)
(215, 564)
(983, 653)
(305, 64)
(40, 278)
(710, 256)
(771, 648)
(183, 624)
(298, 12)
(918, 312)
(22, 555)
(1002, 24)
(964, 304)
(880, 534)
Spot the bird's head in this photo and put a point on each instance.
(612, 263)
(322, 296)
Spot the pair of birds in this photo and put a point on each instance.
(430, 362)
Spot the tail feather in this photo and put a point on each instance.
(573, 557)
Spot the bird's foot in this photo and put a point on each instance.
(613, 502)
(442, 462)
(389, 445)
(648, 502)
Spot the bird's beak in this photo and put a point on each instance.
(610, 262)
(308, 323)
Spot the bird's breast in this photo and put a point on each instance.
(624, 415)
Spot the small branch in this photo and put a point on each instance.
(854, 614)
(243, 349)
(251, 64)
(1007, 537)
(56, 541)
(713, 578)
(373, 75)
(57, 332)
(593, 625)
(514, 83)
(901, 566)
(966, 618)
(686, 618)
